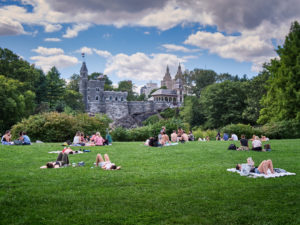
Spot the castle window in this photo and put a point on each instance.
(97, 98)
(88, 89)
(180, 92)
(116, 98)
(97, 89)
(110, 98)
(121, 99)
(166, 99)
(88, 98)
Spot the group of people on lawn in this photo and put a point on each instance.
(94, 140)
(256, 144)
(22, 140)
(163, 139)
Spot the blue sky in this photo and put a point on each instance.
(136, 40)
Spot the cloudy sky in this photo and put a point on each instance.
(136, 40)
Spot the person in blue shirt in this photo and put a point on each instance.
(26, 139)
(225, 137)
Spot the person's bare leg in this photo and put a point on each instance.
(106, 157)
(99, 159)
(262, 168)
(270, 165)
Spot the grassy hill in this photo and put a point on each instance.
(183, 184)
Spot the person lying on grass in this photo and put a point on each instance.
(262, 168)
(106, 165)
(62, 160)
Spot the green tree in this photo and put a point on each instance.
(223, 103)
(16, 102)
(199, 79)
(192, 111)
(73, 99)
(127, 85)
(255, 89)
(74, 82)
(282, 101)
(55, 87)
(12, 66)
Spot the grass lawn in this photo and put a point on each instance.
(183, 184)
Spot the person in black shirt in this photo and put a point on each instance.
(244, 143)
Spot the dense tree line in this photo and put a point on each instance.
(214, 100)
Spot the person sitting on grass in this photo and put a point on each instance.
(6, 139)
(207, 138)
(26, 139)
(256, 144)
(106, 164)
(184, 137)
(174, 136)
(77, 139)
(244, 143)
(98, 139)
(261, 169)
(153, 142)
(62, 160)
(164, 139)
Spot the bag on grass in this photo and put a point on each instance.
(18, 142)
(232, 147)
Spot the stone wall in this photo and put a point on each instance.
(117, 110)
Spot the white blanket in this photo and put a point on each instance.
(269, 175)
(57, 152)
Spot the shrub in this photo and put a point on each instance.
(282, 129)
(168, 113)
(56, 127)
(151, 120)
(198, 132)
(120, 134)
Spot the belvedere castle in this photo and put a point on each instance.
(128, 113)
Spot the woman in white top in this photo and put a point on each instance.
(256, 144)
(76, 140)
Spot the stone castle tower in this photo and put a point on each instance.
(115, 105)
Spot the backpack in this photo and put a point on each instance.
(232, 147)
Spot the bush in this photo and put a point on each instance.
(198, 132)
(58, 127)
(168, 113)
(151, 120)
(143, 133)
(120, 134)
(282, 129)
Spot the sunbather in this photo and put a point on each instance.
(106, 164)
(262, 168)
(61, 160)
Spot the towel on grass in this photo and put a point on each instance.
(57, 152)
(269, 175)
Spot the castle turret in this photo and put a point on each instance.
(167, 81)
(179, 74)
(83, 84)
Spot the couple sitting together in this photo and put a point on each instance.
(256, 144)
(22, 140)
(63, 160)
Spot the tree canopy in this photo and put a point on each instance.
(282, 100)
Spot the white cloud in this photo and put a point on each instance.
(52, 39)
(52, 27)
(244, 48)
(73, 32)
(147, 32)
(48, 51)
(59, 61)
(10, 27)
(140, 66)
(102, 53)
(85, 50)
(106, 35)
(178, 48)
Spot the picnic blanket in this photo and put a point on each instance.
(269, 175)
(74, 152)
